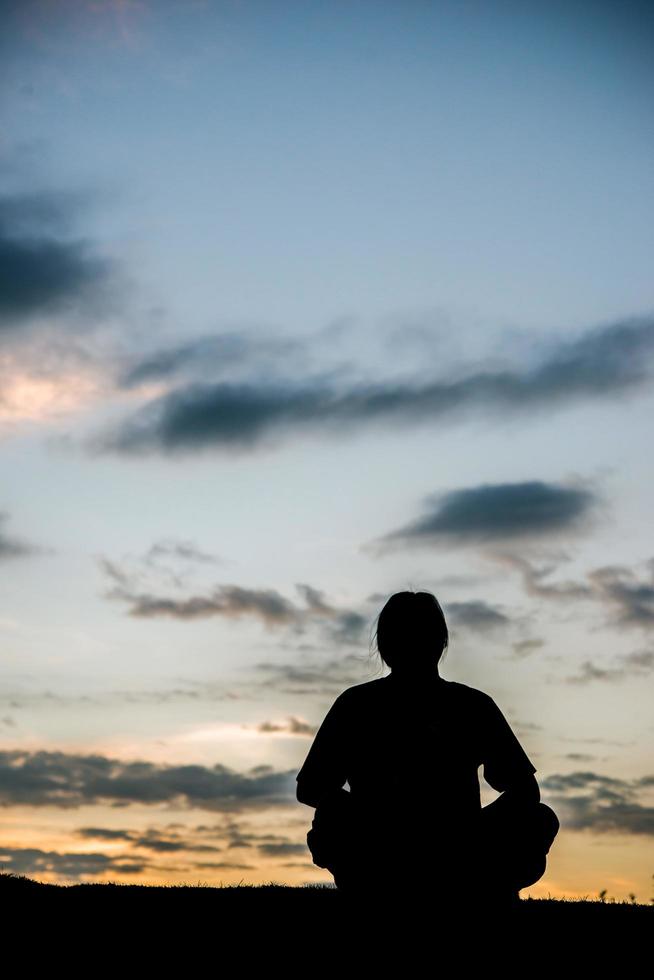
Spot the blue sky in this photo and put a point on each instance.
(304, 304)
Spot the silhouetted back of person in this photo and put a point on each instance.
(410, 745)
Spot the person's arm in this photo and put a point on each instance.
(525, 789)
(324, 771)
(507, 767)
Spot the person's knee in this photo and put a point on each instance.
(550, 824)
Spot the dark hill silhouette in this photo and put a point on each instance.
(199, 927)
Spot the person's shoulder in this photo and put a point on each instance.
(469, 694)
(365, 689)
(359, 697)
(355, 699)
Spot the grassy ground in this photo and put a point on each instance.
(317, 924)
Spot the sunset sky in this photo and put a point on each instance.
(303, 303)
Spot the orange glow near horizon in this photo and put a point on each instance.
(580, 865)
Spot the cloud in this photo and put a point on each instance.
(475, 615)
(627, 599)
(225, 865)
(293, 726)
(33, 860)
(151, 840)
(524, 648)
(282, 849)
(105, 833)
(532, 577)
(635, 664)
(230, 601)
(322, 678)
(222, 353)
(632, 601)
(234, 835)
(271, 845)
(185, 550)
(493, 512)
(56, 293)
(233, 601)
(42, 270)
(15, 547)
(605, 361)
(67, 780)
(589, 801)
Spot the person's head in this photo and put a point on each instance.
(411, 633)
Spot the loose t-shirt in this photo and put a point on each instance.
(413, 749)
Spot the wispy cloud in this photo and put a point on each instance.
(292, 726)
(636, 664)
(12, 547)
(626, 598)
(269, 606)
(322, 678)
(524, 648)
(185, 550)
(222, 354)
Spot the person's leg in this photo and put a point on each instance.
(330, 831)
(345, 839)
(515, 839)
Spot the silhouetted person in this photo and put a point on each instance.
(410, 745)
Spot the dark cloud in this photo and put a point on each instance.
(105, 833)
(589, 801)
(151, 840)
(178, 838)
(476, 615)
(42, 270)
(272, 845)
(32, 860)
(66, 780)
(605, 361)
(226, 865)
(492, 512)
(282, 849)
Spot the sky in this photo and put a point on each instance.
(303, 304)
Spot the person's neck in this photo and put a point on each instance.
(416, 677)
